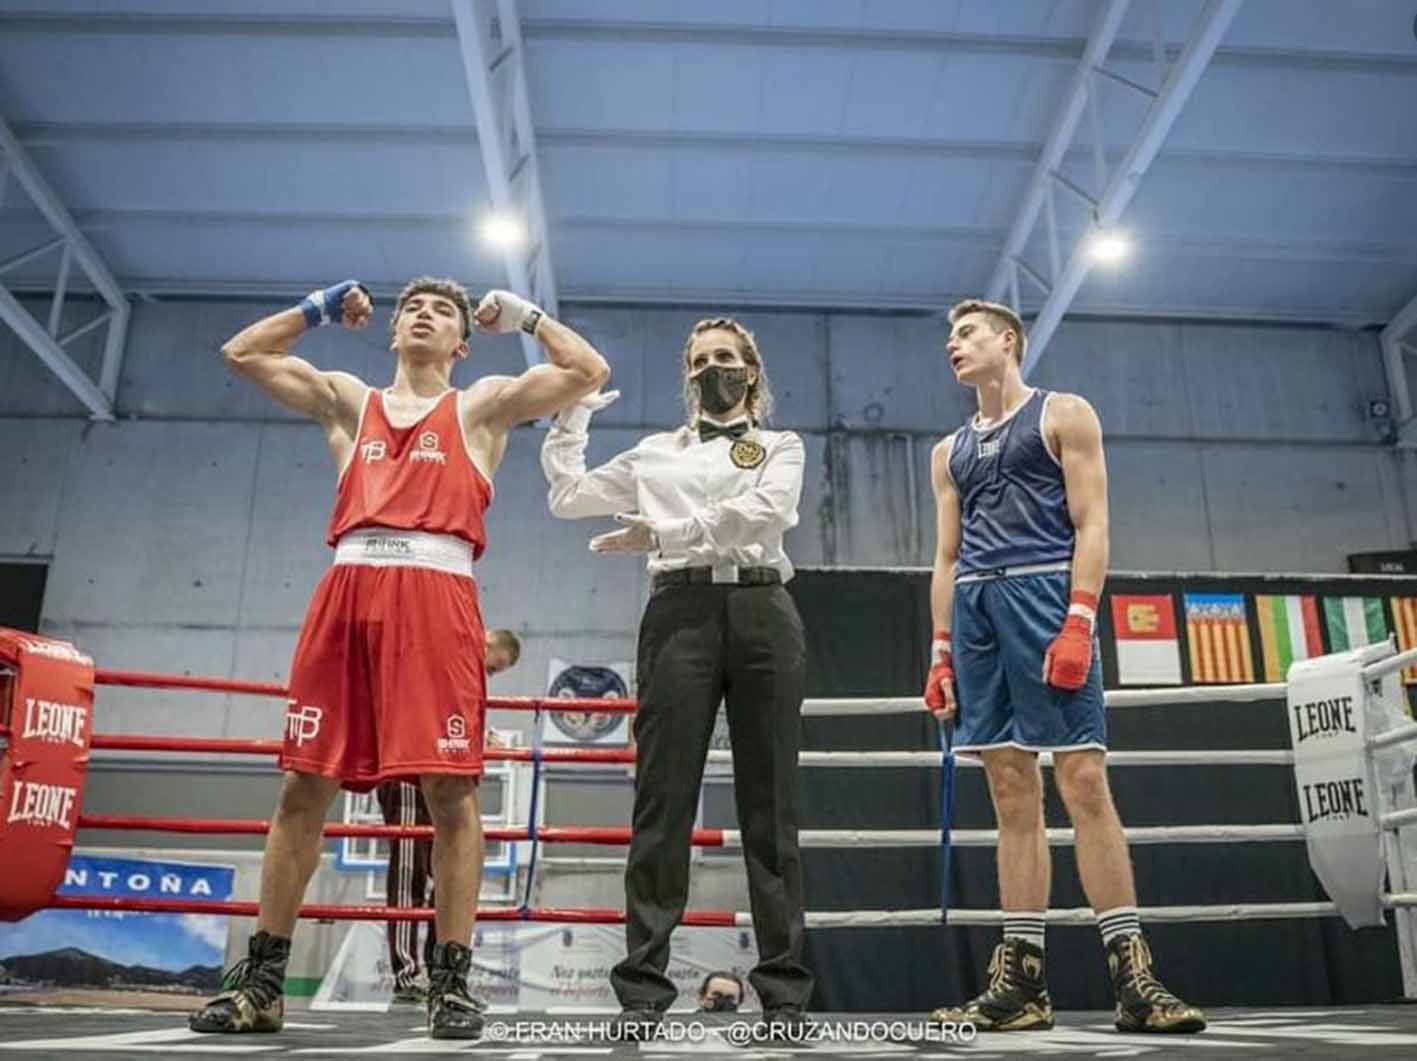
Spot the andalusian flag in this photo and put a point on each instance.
(1289, 632)
(1219, 638)
(1404, 610)
(1354, 622)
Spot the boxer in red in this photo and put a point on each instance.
(388, 677)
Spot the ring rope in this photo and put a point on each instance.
(728, 838)
(538, 757)
(722, 918)
(1397, 735)
(233, 746)
(1202, 694)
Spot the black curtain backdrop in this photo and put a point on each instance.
(868, 634)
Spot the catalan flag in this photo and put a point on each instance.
(1404, 611)
(1289, 632)
(1354, 622)
(1218, 637)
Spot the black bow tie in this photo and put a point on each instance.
(708, 430)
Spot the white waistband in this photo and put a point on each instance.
(385, 547)
(1009, 572)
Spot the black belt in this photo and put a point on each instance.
(694, 576)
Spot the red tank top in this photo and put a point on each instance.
(412, 478)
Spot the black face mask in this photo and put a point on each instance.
(717, 1003)
(721, 388)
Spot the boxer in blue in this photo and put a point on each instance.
(1021, 503)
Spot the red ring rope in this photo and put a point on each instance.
(231, 746)
(330, 912)
(554, 834)
(150, 680)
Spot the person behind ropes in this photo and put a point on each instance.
(410, 870)
(387, 678)
(1021, 498)
(721, 992)
(707, 504)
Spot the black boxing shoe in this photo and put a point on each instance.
(1143, 1003)
(1016, 999)
(453, 1012)
(253, 991)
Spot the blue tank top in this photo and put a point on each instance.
(1013, 507)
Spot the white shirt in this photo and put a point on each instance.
(720, 503)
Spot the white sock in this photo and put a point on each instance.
(1118, 921)
(1026, 925)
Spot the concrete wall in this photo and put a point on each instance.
(188, 535)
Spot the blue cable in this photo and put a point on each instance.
(947, 799)
(532, 811)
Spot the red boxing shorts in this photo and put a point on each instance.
(388, 679)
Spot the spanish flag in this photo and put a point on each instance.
(1219, 639)
(1289, 632)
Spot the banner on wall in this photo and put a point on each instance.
(587, 680)
(568, 966)
(118, 950)
(1404, 612)
(1354, 622)
(1218, 635)
(1148, 648)
(538, 967)
(1289, 632)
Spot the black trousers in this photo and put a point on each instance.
(410, 877)
(700, 644)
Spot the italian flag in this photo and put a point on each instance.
(1289, 632)
(1354, 622)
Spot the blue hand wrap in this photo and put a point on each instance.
(327, 306)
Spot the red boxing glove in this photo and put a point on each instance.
(1068, 660)
(939, 684)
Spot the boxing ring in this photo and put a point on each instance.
(1400, 899)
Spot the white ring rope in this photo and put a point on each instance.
(1391, 665)
(1195, 694)
(1204, 757)
(1397, 735)
(1398, 818)
(1085, 916)
(1156, 834)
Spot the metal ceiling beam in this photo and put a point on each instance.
(1060, 138)
(923, 303)
(582, 30)
(1396, 253)
(1125, 179)
(1399, 342)
(44, 340)
(139, 134)
(489, 37)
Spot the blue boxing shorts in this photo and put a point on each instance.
(1000, 630)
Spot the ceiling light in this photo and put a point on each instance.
(502, 231)
(1109, 246)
